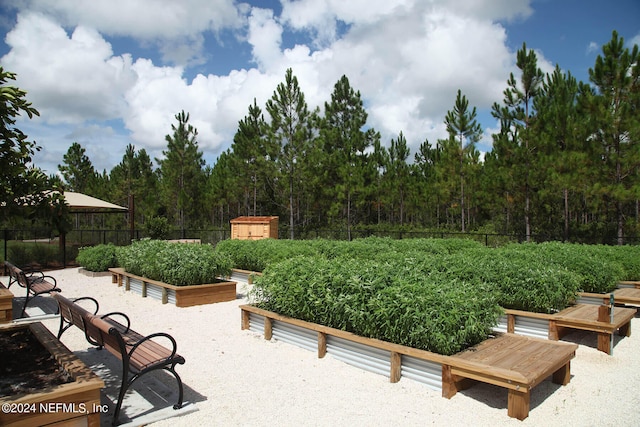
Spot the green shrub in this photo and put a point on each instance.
(157, 227)
(368, 298)
(177, 264)
(97, 258)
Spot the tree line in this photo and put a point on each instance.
(564, 163)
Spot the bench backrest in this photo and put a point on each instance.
(16, 275)
(106, 335)
(72, 312)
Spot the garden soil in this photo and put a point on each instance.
(237, 378)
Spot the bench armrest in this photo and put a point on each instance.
(97, 306)
(117, 313)
(150, 337)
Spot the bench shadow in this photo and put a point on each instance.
(151, 398)
(496, 397)
(42, 305)
(588, 338)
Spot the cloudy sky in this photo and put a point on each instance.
(106, 73)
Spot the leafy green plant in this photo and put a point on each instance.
(98, 258)
(174, 263)
(368, 298)
(157, 227)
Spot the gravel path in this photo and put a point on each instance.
(236, 377)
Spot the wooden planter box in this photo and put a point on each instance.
(180, 296)
(6, 305)
(511, 361)
(76, 403)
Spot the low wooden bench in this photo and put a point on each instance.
(35, 283)
(595, 318)
(139, 354)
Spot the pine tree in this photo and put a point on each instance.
(516, 117)
(462, 125)
(345, 143)
(614, 110)
(77, 170)
(290, 131)
(182, 177)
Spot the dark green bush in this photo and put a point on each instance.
(98, 258)
(179, 264)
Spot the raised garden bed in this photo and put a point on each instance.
(180, 296)
(53, 389)
(511, 361)
(6, 305)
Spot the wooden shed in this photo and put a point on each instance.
(254, 227)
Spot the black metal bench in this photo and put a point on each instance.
(35, 283)
(139, 354)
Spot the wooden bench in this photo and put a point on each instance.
(595, 318)
(35, 283)
(139, 354)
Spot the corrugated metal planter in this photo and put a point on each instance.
(372, 355)
(181, 296)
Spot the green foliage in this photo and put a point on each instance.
(174, 263)
(402, 305)
(157, 227)
(98, 258)
(25, 254)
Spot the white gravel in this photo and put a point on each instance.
(236, 378)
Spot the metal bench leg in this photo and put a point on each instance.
(179, 381)
(123, 390)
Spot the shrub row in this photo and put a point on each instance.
(172, 263)
(256, 255)
(98, 258)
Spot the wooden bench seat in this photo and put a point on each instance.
(514, 362)
(139, 354)
(35, 283)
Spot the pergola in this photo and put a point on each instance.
(82, 203)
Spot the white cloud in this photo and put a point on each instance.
(592, 47)
(176, 27)
(68, 78)
(408, 59)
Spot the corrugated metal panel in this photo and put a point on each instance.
(502, 325)
(240, 277)
(135, 286)
(364, 357)
(256, 323)
(295, 335)
(589, 300)
(424, 371)
(171, 296)
(154, 291)
(532, 327)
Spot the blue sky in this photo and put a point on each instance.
(107, 73)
